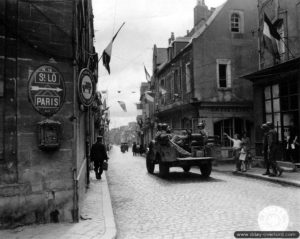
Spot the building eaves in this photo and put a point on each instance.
(275, 71)
(166, 63)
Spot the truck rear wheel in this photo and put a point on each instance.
(206, 170)
(149, 164)
(186, 169)
(163, 169)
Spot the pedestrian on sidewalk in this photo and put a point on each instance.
(237, 143)
(273, 150)
(98, 156)
(242, 158)
(265, 130)
(134, 148)
(246, 146)
(291, 145)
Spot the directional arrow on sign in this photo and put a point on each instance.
(36, 88)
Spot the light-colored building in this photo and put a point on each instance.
(201, 75)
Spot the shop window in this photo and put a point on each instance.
(231, 126)
(1, 89)
(223, 73)
(1, 117)
(282, 105)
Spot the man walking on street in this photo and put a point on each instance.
(98, 155)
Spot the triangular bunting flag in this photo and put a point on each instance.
(123, 105)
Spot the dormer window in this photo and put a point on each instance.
(237, 22)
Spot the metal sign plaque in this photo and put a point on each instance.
(86, 87)
(46, 90)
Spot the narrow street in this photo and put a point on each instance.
(187, 206)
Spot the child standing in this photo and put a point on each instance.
(237, 143)
(242, 158)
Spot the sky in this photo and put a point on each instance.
(147, 22)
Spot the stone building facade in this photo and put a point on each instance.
(201, 74)
(44, 41)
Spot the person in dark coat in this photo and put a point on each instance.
(265, 129)
(134, 148)
(98, 155)
(273, 151)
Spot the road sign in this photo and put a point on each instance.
(46, 90)
(86, 87)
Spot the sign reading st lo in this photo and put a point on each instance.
(46, 90)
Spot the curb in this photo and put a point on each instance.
(273, 180)
(110, 225)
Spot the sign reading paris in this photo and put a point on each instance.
(46, 90)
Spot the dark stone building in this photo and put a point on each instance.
(45, 127)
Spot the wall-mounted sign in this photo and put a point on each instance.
(86, 87)
(46, 90)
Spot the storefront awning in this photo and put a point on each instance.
(274, 72)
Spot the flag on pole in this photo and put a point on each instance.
(270, 30)
(106, 55)
(148, 77)
(123, 105)
(162, 90)
(149, 97)
(270, 36)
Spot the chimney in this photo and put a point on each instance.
(201, 12)
(172, 36)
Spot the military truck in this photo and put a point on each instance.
(180, 150)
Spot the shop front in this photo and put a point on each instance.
(276, 100)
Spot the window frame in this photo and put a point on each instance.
(240, 21)
(226, 62)
(235, 22)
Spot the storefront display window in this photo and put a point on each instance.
(231, 126)
(1, 116)
(281, 106)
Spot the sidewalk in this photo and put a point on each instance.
(97, 219)
(287, 178)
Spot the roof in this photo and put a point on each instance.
(208, 22)
(195, 35)
(274, 71)
(162, 55)
(182, 39)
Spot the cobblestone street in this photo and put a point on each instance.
(187, 206)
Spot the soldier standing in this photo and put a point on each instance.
(265, 129)
(272, 150)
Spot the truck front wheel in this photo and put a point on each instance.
(206, 170)
(163, 169)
